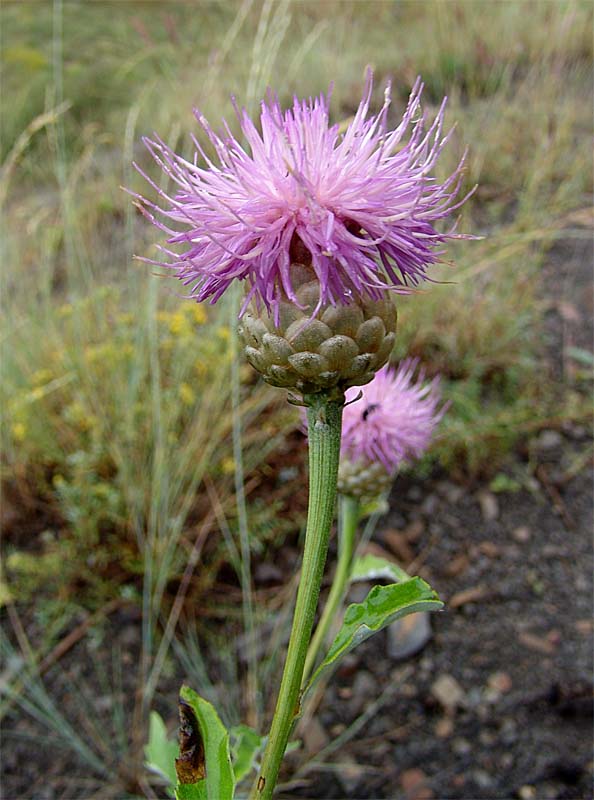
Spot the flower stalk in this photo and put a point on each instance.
(324, 429)
(349, 517)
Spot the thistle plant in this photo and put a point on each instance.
(324, 227)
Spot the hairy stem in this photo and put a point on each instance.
(349, 519)
(324, 419)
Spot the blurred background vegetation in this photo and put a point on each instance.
(129, 426)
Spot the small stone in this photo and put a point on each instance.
(539, 644)
(549, 440)
(489, 505)
(489, 549)
(452, 493)
(500, 681)
(472, 595)
(482, 778)
(364, 688)
(461, 747)
(349, 774)
(521, 534)
(486, 738)
(444, 727)
(430, 505)
(408, 636)
(414, 785)
(509, 732)
(584, 627)
(457, 566)
(526, 792)
(448, 692)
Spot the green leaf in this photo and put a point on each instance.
(191, 791)
(370, 568)
(247, 746)
(160, 752)
(382, 606)
(219, 782)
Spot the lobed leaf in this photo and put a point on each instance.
(382, 606)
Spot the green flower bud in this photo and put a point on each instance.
(338, 347)
(362, 480)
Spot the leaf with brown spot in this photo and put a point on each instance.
(190, 766)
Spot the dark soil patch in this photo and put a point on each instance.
(499, 704)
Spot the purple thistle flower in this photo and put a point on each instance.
(394, 420)
(363, 203)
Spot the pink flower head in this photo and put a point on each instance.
(394, 420)
(363, 202)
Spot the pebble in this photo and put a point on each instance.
(549, 440)
(408, 636)
(364, 688)
(448, 692)
(489, 505)
(486, 738)
(457, 566)
(430, 505)
(509, 732)
(500, 681)
(414, 784)
(522, 534)
(452, 493)
(348, 774)
(444, 727)
(482, 778)
(526, 792)
(489, 549)
(461, 747)
(337, 729)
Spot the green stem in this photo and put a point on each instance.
(350, 515)
(324, 419)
